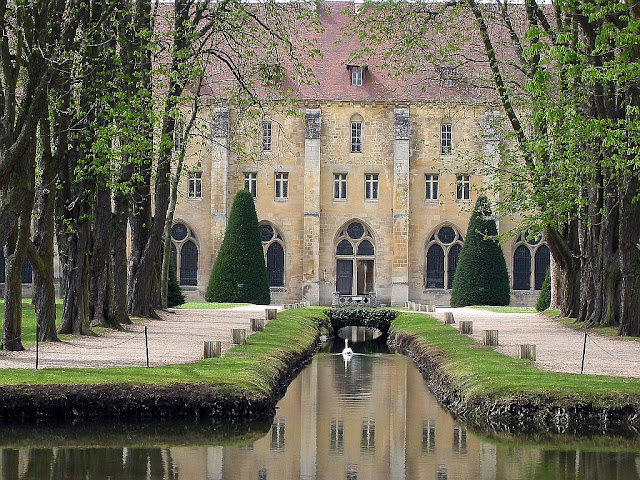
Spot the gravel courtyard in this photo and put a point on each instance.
(178, 337)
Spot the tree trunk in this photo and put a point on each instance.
(567, 281)
(629, 259)
(118, 253)
(98, 274)
(44, 291)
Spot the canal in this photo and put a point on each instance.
(371, 417)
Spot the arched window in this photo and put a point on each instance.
(531, 258)
(273, 245)
(355, 272)
(443, 251)
(189, 263)
(184, 254)
(521, 268)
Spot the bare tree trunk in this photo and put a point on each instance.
(98, 274)
(629, 261)
(118, 252)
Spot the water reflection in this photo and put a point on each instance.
(375, 420)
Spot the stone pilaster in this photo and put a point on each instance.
(400, 267)
(219, 175)
(311, 241)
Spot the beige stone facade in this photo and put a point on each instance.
(399, 154)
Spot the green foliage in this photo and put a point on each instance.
(174, 292)
(239, 273)
(544, 300)
(481, 277)
(361, 317)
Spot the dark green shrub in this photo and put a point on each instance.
(361, 317)
(481, 277)
(544, 300)
(239, 273)
(174, 292)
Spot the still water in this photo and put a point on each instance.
(370, 418)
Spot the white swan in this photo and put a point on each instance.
(347, 353)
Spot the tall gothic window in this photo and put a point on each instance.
(273, 245)
(184, 254)
(443, 251)
(355, 260)
(531, 258)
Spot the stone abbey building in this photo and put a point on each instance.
(365, 195)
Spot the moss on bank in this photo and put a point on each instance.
(244, 383)
(492, 390)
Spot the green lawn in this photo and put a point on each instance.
(210, 306)
(252, 368)
(481, 371)
(505, 309)
(29, 320)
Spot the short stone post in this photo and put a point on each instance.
(257, 324)
(239, 336)
(448, 318)
(490, 337)
(211, 349)
(526, 350)
(270, 313)
(466, 326)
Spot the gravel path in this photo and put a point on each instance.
(178, 336)
(558, 347)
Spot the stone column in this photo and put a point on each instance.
(219, 175)
(400, 267)
(311, 240)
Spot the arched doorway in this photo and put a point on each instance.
(531, 258)
(443, 251)
(355, 260)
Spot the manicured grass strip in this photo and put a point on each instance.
(505, 309)
(209, 305)
(480, 371)
(253, 368)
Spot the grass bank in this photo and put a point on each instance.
(245, 382)
(486, 387)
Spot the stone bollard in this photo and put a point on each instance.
(257, 324)
(526, 350)
(270, 313)
(490, 337)
(448, 318)
(239, 336)
(211, 349)
(466, 326)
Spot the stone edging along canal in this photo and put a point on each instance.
(526, 413)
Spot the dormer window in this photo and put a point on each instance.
(357, 74)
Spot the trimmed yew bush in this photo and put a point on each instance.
(361, 317)
(239, 274)
(174, 292)
(481, 276)
(544, 300)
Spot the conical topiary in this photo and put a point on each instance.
(481, 276)
(239, 273)
(174, 292)
(544, 300)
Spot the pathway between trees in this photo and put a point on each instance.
(177, 338)
(558, 347)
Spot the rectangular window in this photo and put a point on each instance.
(251, 183)
(463, 187)
(371, 186)
(195, 185)
(356, 76)
(340, 185)
(356, 137)
(431, 186)
(266, 136)
(282, 185)
(445, 139)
